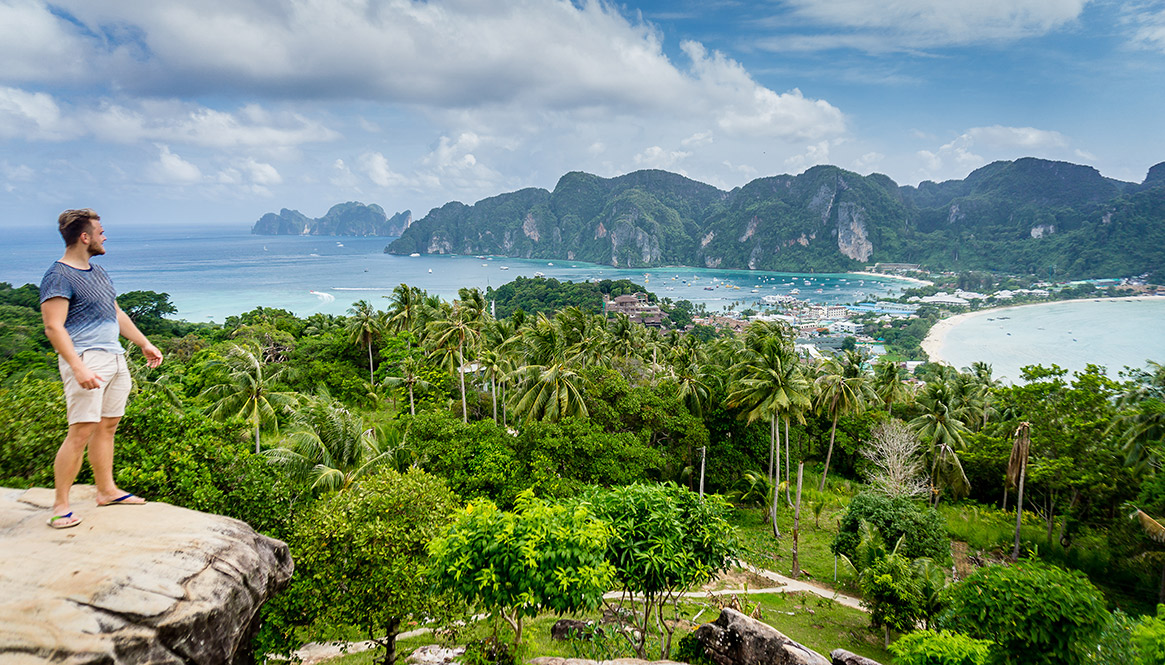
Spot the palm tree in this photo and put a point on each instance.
(549, 392)
(452, 337)
(841, 387)
(770, 383)
(248, 390)
(364, 324)
(1142, 416)
(410, 378)
(888, 384)
(941, 425)
(328, 447)
(404, 308)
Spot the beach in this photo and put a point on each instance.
(1113, 332)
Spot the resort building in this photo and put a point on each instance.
(635, 307)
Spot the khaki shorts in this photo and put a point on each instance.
(106, 401)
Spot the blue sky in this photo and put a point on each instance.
(217, 111)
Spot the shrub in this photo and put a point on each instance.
(926, 647)
(892, 593)
(922, 531)
(542, 556)
(1036, 613)
(1149, 636)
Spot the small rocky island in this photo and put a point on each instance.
(344, 219)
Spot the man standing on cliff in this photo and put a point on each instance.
(82, 321)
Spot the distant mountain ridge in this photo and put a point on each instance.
(1029, 215)
(343, 219)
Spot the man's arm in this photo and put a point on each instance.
(54, 311)
(129, 331)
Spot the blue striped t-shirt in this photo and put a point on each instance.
(92, 319)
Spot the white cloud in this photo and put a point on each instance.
(966, 152)
(997, 136)
(868, 161)
(35, 45)
(171, 169)
(375, 166)
(32, 116)
(814, 155)
(343, 177)
(698, 139)
(1148, 26)
(903, 24)
(656, 157)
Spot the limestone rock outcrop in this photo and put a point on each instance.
(737, 639)
(843, 657)
(148, 583)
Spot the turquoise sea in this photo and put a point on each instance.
(211, 273)
(1113, 333)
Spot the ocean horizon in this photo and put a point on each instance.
(214, 272)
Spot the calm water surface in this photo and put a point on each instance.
(213, 273)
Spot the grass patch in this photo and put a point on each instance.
(820, 513)
(815, 622)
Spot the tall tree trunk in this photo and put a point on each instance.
(772, 444)
(370, 381)
(788, 454)
(461, 371)
(796, 573)
(1019, 508)
(412, 407)
(391, 631)
(829, 454)
(773, 513)
(493, 382)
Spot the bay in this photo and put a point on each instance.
(1114, 333)
(215, 272)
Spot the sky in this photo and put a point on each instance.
(214, 112)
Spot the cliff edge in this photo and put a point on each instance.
(151, 583)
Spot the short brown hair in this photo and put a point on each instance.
(73, 223)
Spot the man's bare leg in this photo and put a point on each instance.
(101, 459)
(67, 464)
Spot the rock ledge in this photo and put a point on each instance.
(131, 584)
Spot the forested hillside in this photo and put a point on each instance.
(1033, 216)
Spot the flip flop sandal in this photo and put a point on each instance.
(63, 521)
(122, 501)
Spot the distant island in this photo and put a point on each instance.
(344, 219)
(1031, 216)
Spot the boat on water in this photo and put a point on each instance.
(415, 254)
(430, 270)
(539, 274)
(795, 292)
(709, 288)
(505, 267)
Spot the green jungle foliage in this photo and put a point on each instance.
(922, 531)
(548, 295)
(1033, 216)
(540, 557)
(926, 647)
(1035, 613)
(338, 404)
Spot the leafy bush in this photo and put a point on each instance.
(1149, 636)
(194, 462)
(668, 540)
(361, 557)
(32, 427)
(926, 647)
(542, 556)
(922, 531)
(1035, 613)
(892, 594)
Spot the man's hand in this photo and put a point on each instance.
(86, 378)
(153, 355)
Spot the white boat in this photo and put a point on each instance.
(549, 264)
(505, 267)
(539, 274)
(430, 270)
(414, 254)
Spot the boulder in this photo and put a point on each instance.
(149, 583)
(843, 657)
(737, 639)
(564, 629)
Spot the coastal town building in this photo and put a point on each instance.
(635, 307)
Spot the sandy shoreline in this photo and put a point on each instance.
(912, 280)
(936, 338)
